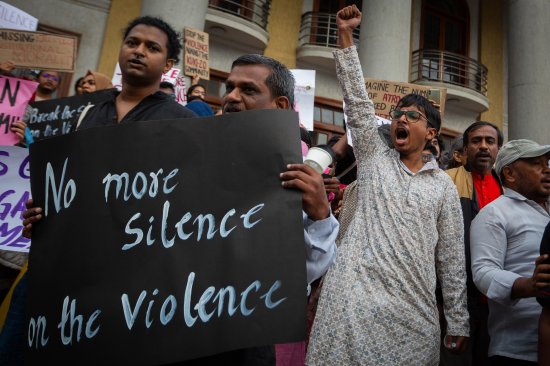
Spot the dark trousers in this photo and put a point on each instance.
(506, 361)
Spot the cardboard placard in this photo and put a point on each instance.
(386, 94)
(56, 117)
(38, 50)
(171, 248)
(196, 53)
(14, 97)
(14, 192)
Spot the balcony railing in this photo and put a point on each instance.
(449, 68)
(320, 29)
(256, 11)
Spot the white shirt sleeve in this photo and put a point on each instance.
(320, 242)
(488, 245)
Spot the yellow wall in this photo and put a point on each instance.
(120, 14)
(491, 52)
(283, 28)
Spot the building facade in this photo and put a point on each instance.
(490, 55)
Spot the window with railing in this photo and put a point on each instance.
(328, 118)
(448, 67)
(320, 29)
(256, 11)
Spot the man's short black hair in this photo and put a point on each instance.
(77, 84)
(441, 144)
(166, 85)
(280, 82)
(476, 125)
(174, 38)
(432, 114)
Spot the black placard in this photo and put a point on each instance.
(227, 167)
(59, 116)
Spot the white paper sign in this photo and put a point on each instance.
(13, 18)
(14, 192)
(304, 96)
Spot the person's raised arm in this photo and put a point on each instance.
(358, 107)
(347, 19)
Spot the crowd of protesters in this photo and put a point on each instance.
(415, 254)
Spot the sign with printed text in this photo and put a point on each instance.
(59, 116)
(158, 246)
(14, 192)
(14, 97)
(386, 94)
(14, 18)
(38, 50)
(304, 96)
(196, 53)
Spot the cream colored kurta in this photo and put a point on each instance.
(378, 304)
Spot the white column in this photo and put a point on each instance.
(177, 13)
(528, 71)
(385, 41)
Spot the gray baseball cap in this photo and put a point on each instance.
(518, 149)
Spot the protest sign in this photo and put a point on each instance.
(304, 96)
(181, 90)
(196, 53)
(386, 94)
(13, 18)
(59, 116)
(170, 248)
(14, 192)
(14, 97)
(38, 50)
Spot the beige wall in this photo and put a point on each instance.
(121, 13)
(283, 28)
(491, 55)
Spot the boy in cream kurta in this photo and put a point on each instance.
(378, 304)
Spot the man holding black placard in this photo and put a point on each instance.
(260, 82)
(320, 227)
(150, 47)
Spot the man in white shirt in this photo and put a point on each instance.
(505, 240)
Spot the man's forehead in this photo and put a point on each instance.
(148, 32)
(484, 131)
(256, 74)
(413, 107)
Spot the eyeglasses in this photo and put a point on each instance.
(50, 76)
(411, 116)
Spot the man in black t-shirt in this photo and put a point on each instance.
(149, 49)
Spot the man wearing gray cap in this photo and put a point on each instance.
(505, 239)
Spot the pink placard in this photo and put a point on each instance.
(14, 97)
